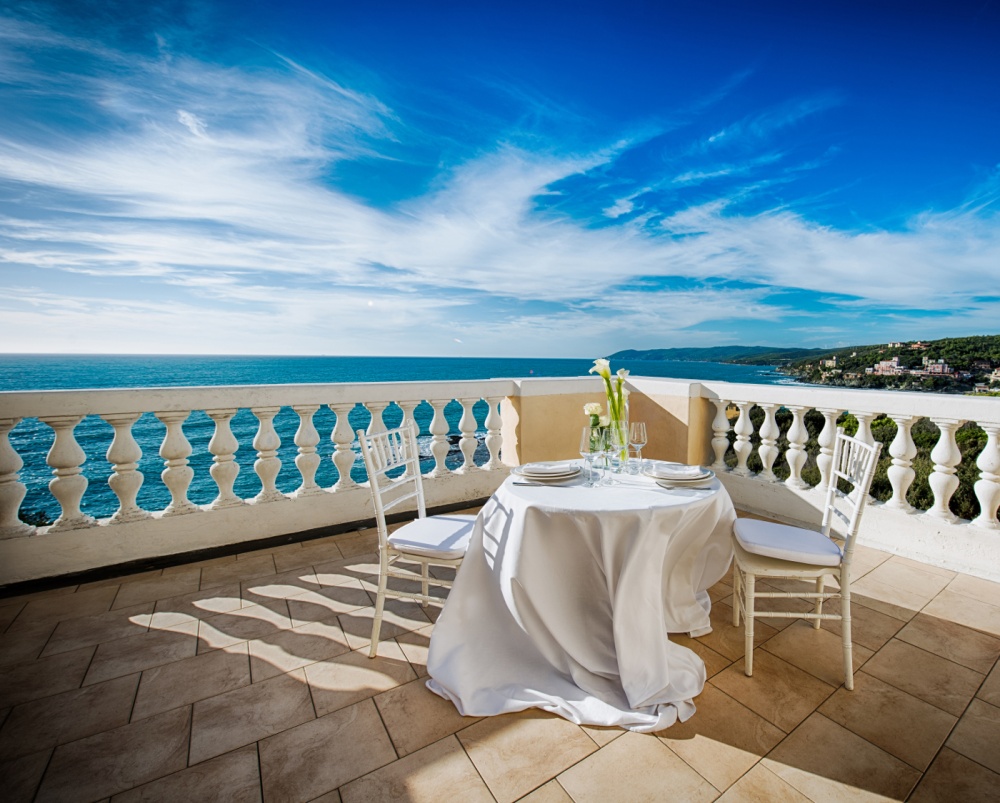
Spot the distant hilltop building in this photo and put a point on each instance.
(887, 368)
(831, 363)
(928, 368)
(918, 345)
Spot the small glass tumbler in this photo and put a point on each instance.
(634, 463)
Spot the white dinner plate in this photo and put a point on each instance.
(698, 482)
(677, 472)
(543, 472)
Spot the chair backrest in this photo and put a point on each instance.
(854, 462)
(392, 451)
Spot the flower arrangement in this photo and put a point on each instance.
(617, 400)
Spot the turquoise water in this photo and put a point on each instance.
(33, 439)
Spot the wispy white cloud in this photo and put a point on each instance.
(211, 189)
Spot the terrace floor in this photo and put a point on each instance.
(246, 678)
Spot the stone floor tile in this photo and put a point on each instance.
(121, 579)
(910, 577)
(866, 559)
(196, 605)
(818, 652)
(65, 606)
(602, 735)
(760, 785)
(333, 796)
(990, 690)
(827, 762)
(954, 607)
(899, 723)
(728, 640)
(953, 777)
(233, 777)
(290, 583)
(328, 603)
(25, 644)
(414, 716)
(441, 771)
(119, 759)
(976, 588)
(9, 609)
(415, 646)
(924, 567)
(191, 679)
(245, 715)
(290, 649)
(21, 776)
(66, 717)
(309, 554)
(30, 680)
(173, 585)
(781, 693)
(977, 735)
(243, 624)
(399, 616)
(931, 678)
(133, 654)
(636, 767)
(516, 753)
(278, 549)
(360, 544)
(346, 679)
(363, 568)
(957, 643)
(723, 740)
(237, 570)
(311, 759)
(899, 603)
(551, 792)
(85, 631)
(869, 628)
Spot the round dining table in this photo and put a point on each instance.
(567, 596)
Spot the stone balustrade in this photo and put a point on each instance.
(266, 484)
(76, 541)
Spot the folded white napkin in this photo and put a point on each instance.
(677, 471)
(545, 469)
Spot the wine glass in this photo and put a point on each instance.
(591, 443)
(637, 439)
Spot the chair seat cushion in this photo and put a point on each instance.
(446, 537)
(786, 543)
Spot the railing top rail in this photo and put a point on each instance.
(44, 403)
(891, 402)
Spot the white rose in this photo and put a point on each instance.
(592, 409)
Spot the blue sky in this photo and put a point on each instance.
(496, 179)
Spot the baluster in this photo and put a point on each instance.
(720, 434)
(467, 426)
(268, 464)
(67, 458)
(768, 450)
(377, 424)
(796, 455)
(12, 490)
(307, 460)
(439, 440)
(225, 469)
(177, 474)
(494, 440)
(124, 455)
(408, 407)
(864, 433)
(827, 438)
(987, 488)
(900, 473)
(343, 438)
(943, 479)
(743, 447)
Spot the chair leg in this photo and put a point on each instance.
(736, 593)
(383, 580)
(749, 581)
(424, 583)
(845, 628)
(819, 603)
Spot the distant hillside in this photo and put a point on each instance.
(753, 355)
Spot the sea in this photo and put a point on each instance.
(32, 439)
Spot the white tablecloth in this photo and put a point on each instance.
(567, 594)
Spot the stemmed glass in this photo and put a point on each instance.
(637, 439)
(613, 444)
(591, 444)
